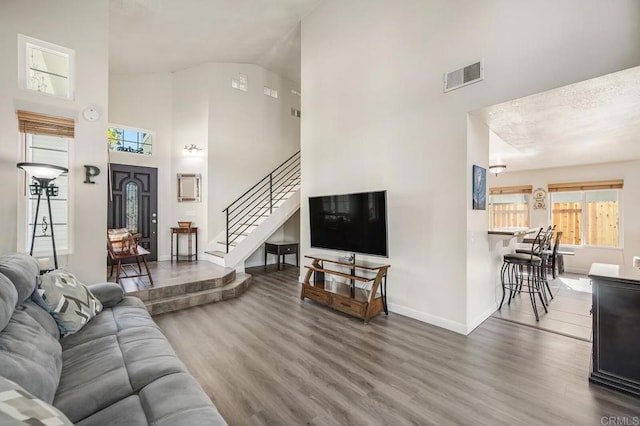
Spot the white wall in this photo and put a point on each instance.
(375, 117)
(83, 27)
(480, 270)
(145, 101)
(190, 109)
(250, 134)
(630, 207)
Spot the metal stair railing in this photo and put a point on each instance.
(261, 199)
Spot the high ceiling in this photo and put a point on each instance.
(594, 121)
(148, 36)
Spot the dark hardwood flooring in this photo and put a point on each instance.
(268, 358)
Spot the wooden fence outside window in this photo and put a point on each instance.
(601, 222)
(510, 215)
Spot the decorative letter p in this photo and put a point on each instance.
(89, 172)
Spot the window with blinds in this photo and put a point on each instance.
(587, 213)
(509, 206)
(47, 140)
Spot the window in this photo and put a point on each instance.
(509, 207)
(587, 217)
(49, 150)
(45, 67)
(47, 140)
(130, 140)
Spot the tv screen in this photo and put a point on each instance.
(350, 222)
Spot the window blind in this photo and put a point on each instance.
(41, 124)
(586, 186)
(521, 189)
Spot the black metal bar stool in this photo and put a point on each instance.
(523, 273)
(543, 250)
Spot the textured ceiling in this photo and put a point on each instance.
(594, 121)
(149, 36)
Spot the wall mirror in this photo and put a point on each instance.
(188, 187)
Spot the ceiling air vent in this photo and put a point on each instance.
(463, 76)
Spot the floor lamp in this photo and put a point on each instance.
(43, 176)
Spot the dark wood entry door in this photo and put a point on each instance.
(134, 203)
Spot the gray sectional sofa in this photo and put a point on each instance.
(119, 369)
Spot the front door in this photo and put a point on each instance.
(133, 203)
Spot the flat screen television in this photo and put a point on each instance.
(350, 222)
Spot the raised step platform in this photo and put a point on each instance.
(183, 285)
(190, 299)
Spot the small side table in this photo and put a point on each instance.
(280, 248)
(189, 231)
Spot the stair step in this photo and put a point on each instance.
(154, 293)
(217, 253)
(189, 300)
(224, 243)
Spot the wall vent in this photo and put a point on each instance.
(463, 76)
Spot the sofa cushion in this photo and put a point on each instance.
(18, 406)
(94, 376)
(109, 294)
(173, 400)
(8, 300)
(22, 270)
(116, 355)
(30, 356)
(69, 301)
(43, 317)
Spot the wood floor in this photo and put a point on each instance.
(569, 310)
(269, 358)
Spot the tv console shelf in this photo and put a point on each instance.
(347, 297)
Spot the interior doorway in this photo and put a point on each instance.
(133, 203)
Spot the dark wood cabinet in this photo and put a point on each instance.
(280, 249)
(616, 327)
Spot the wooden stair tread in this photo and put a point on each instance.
(216, 253)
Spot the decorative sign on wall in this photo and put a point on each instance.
(90, 172)
(539, 199)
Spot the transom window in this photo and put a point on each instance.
(45, 67)
(135, 141)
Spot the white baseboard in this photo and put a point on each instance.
(454, 326)
(481, 318)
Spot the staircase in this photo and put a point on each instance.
(254, 216)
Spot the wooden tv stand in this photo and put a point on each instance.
(345, 296)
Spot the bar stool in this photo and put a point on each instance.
(543, 250)
(512, 274)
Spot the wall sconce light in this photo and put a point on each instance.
(497, 169)
(192, 149)
(43, 176)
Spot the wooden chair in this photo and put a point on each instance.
(123, 246)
